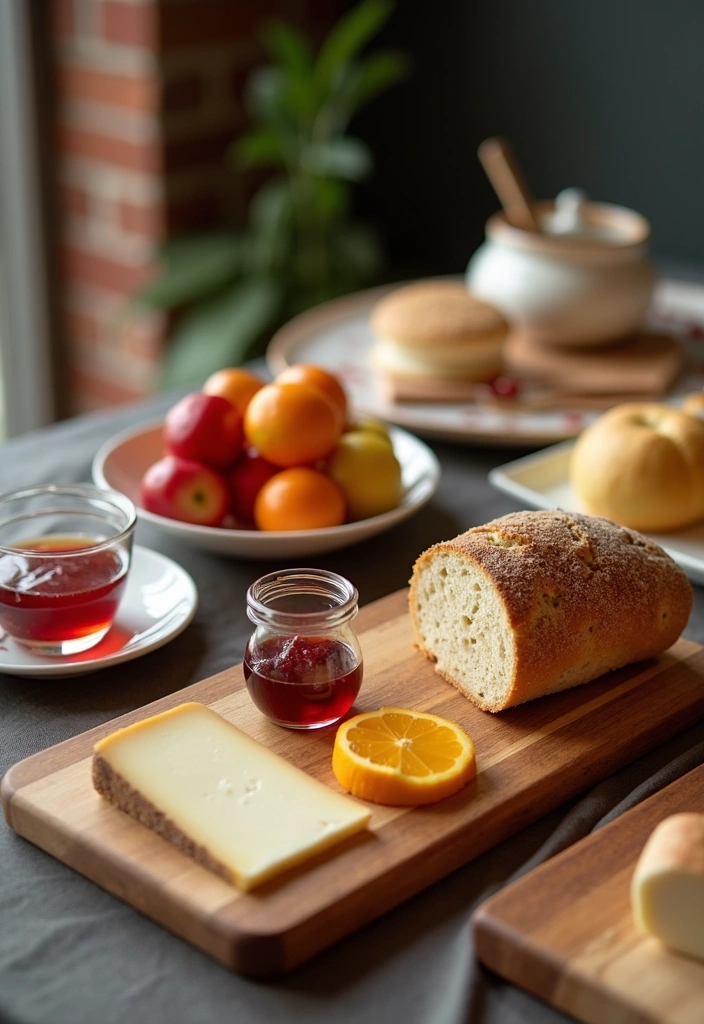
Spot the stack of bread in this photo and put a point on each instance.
(433, 339)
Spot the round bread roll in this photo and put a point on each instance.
(693, 404)
(437, 329)
(642, 465)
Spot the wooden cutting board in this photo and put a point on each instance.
(529, 759)
(566, 933)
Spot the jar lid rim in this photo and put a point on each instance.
(323, 581)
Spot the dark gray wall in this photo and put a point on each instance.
(607, 95)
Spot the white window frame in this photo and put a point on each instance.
(25, 339)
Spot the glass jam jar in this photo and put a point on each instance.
(303, 662)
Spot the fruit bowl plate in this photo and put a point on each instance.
(123, 460)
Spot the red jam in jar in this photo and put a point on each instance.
(303, 663)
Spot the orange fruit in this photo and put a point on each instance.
(306, 373)
(299, 499)
(403, 758)
(292, 424)
(235, 384)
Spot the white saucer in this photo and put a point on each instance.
(159, 602)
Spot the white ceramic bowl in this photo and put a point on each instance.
(121, 463)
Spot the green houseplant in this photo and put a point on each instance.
(300, 245)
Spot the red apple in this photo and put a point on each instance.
(246, 480)
(206, 428)
(186, 490)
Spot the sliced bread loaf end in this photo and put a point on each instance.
(536, 602)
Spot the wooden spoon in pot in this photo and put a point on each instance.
(505, 175)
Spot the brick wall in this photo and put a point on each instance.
(148, 94)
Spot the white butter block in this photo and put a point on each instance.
(667, 891)
(219, 796)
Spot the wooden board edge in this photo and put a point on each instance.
(542, 974)
(491, 936)
(8, 788)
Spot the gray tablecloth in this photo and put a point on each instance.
(71, 953)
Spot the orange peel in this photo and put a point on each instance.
(402, 757)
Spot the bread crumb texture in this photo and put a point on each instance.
(537, 602)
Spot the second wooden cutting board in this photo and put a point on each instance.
(529, 759)
(566, 932)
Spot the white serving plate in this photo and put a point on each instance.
(160, 600)
(122, 462)
(337, 335)
(542, 481)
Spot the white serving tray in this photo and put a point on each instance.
(541, 480)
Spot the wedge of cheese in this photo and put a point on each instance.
(219, 796)
(667, 891)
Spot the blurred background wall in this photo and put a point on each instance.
(606, 95)
(147, 97)
(141, 98)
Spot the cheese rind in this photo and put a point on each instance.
(219, 796)
(667, 891)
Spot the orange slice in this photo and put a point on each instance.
(403, 758)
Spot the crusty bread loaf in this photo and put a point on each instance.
(540, 601)
(667, 889)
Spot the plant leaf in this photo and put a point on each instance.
(346, 158)
(348, 37)
(192, 268)
(263, 93)
(220, 331)
(376, 73)
(332, 198)
(292, 53)
(289, 48)
(260, 147)
(269, 220)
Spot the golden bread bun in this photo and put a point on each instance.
(693, 405)
(642, 465)
(432, 312)
(478, 360)
(436, 330)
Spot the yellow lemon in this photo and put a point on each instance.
(364, 467)
(372, 426)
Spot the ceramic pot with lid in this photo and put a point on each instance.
(584, 279)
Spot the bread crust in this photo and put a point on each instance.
(676, 844)
(113, 787)
(581, 596)
(432, 312)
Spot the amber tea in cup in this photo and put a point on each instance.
(65, 552)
